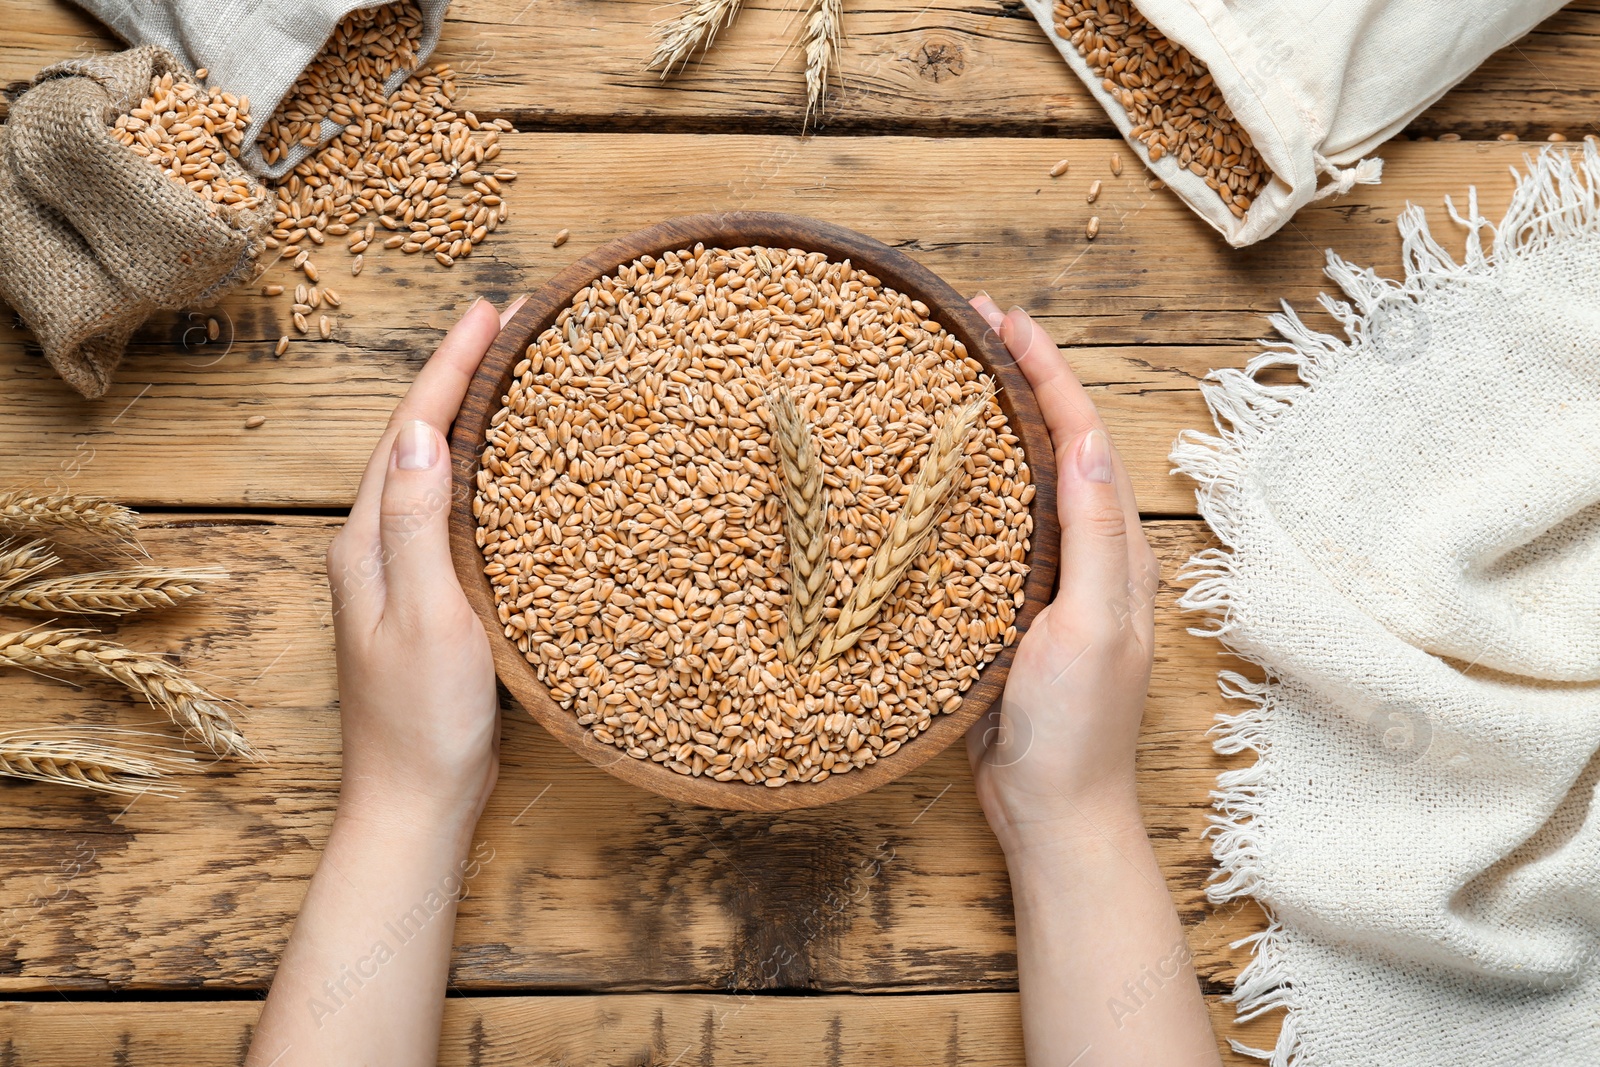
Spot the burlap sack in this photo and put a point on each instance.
(98, 239)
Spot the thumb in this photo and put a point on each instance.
(414, 518)
(1094, 535)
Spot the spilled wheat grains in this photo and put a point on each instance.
(631, 513)
(408, 162)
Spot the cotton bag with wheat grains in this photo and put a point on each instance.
(1412, 556)
(1314, 85)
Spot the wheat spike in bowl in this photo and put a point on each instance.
(755, 510)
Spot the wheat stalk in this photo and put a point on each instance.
(691, 31)
(914, 524)
(55, 756)
(119, 592)
(200, 713)
(805, 521)
(25, 509)
(20, 561)
(822, 35)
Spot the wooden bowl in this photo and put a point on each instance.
(734, 230)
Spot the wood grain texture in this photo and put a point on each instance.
(591, 884)
(895, 270)
(686, 1030)
(982, 68)
(1145, 310)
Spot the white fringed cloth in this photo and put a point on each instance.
(1412, 557)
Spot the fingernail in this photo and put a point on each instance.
(416, 446)
(1015, 319)
(988, 309)
(1094, 457)
(512, 308)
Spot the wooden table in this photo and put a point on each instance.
(611, 927)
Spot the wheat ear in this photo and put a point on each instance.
(200, 713)
(23, 509)
(691, 30)
(54, 756)
(119, 592)
(823, 31)
(805, 521)
(20, 561)
(914, 524)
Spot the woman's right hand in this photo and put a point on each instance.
(1060, 749)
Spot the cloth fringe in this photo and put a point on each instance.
(1557, 200)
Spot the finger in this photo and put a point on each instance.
(1065, 406)
(980, 735)
(434, 398)
(1068, 414)
(414, 519)
(1095, 529)
(990, 312)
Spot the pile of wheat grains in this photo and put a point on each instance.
(1169, 96)
(190, 132)
(407, 164)
(631, 513)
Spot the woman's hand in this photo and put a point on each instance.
(416, 682)
(1060, 749)
(1054, 768)
(421, 727)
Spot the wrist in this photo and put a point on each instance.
(386, 808)
(1072, 824)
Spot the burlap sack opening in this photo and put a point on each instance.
(98, 239)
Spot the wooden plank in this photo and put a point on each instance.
(1147, 309)
(688, 1030)
(902, 889)
(983, 68)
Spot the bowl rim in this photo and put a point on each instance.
(485, 397)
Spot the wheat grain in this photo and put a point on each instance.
(822, 38)
(914, 525)
(408, 160)
(21, 561)
(190, 133)
(54, 755)
(805, 522)
(200, 713)
(691, 30)
(116, 592)
(1173, 104)
(24, 509)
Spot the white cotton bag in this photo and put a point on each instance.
(1317, 84)
(251, 49)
